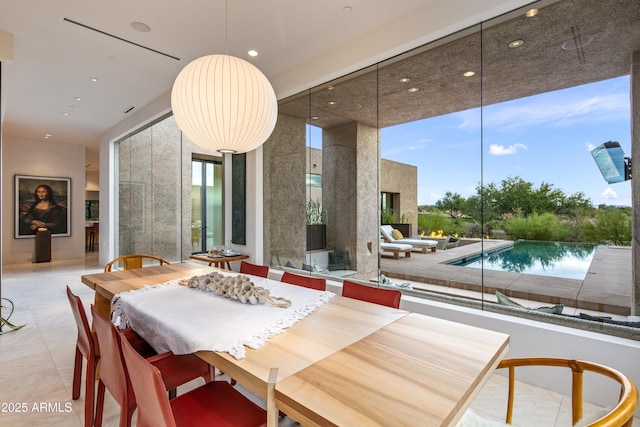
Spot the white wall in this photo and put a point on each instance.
(42, 158)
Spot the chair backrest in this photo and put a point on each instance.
(112, 369)
(154, 409)
(620, 415)
(388, 297)
(386, 231)
(96, 228)
(254, 269)
(316, 283)
(130, 262)
(86, 341)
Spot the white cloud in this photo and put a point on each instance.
(590, 146)
(501, 150)
(609, 193)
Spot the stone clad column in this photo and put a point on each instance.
(284, 157)
(350, 193)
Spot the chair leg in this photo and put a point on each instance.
(77, 375)
(125, 416)
(90, 386)
(100, 404)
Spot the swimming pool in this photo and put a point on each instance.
(566, 260)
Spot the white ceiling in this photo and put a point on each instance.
(300, 43)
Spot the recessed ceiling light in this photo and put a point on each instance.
(331, 102)
(404, 80)
(77, 98)
(531, 13)
(66, 113)
(469, 73)
(47, 136)
(141, 27)
(413, 89)
(93, 79)
(347, 9)
(516, 43)
(252, 52)
(330, 88)
(314, 117)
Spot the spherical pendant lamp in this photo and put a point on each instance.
(225, 104)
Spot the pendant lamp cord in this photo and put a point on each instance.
(226, 27)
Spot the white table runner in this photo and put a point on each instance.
(184, 320)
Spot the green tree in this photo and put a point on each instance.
(515, 196)
(614, 226)
(453, 204)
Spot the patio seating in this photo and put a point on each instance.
(448, 243)
(396, 249)
(423, 245)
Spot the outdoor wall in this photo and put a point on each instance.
(42, 158)
(402, 179)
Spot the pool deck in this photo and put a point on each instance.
(606, 288)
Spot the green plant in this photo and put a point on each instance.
(435, 222)
(5, 321)
(315, 213)
(387, 216)
(544, 226)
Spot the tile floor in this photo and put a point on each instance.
(36, 362)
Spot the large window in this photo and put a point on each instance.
(485, 137)
(154, 187)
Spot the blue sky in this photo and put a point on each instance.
(542, 138)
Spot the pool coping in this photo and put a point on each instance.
(606, 288)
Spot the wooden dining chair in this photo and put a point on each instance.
(254, 269)
(86, 348)
(176, 370)
(215, 403)
(316, 283)
(621, 415)
(388, 297)
(94, 236)
(130, 262)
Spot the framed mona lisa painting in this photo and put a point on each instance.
(42, 203)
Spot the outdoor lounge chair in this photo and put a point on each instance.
(448, 243)
(423, 245)
(396, 249)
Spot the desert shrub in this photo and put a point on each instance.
(434, 222)
(546, 226)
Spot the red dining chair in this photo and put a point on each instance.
(216, 403)
(86, 348)
(254, 269)
(175, 370)
(388, 297)
(316, 283)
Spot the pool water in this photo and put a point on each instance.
(566, 260)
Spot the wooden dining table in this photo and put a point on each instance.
(351, 362)
(220, 261)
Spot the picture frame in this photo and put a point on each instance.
(35, 208)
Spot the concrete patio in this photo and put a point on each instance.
(605, 289)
